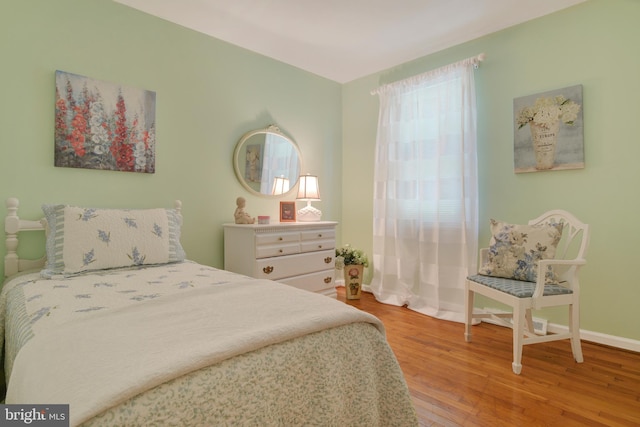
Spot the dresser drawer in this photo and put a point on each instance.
(277, 250)
(321, 234)
(276, 238)
(293, 265)
(314, 282)
(317, 245)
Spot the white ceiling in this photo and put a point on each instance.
(346, 39)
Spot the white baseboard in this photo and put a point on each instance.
(600, 338)
(596, 337)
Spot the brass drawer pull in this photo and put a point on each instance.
(280, 251)
(280, 238)
(268, 269)
(328, 279)
(319, 246)
(320, 235)
(327, 260)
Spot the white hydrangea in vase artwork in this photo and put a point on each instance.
(544, 114)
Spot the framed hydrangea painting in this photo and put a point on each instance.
(548, 131)
(103, 125)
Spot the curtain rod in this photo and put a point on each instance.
(474, 60)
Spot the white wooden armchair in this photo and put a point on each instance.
(536, 283)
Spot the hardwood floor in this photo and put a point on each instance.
(455, 383)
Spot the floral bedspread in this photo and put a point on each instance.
(344, 374)
(35, 304)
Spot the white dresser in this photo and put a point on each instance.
(300, 254)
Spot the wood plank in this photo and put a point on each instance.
(455, 383)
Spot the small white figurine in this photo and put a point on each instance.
(240, 215)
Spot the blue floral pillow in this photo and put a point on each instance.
(86, 239)
(514, 250)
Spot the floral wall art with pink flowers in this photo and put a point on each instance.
(103, 125)
(548, 131)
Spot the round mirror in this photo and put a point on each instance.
(267, 162)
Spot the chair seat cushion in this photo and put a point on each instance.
(517, 288)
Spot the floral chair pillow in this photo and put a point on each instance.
(514, 250)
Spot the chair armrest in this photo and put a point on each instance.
(573, 264)
(546, 262)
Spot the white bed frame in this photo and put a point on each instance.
(13, 225)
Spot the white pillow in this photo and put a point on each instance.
(86, 239)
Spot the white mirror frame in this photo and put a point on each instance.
(244, 170)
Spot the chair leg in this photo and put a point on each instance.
(518, 332)
(468, 313)
(574, 328)
(529, 319)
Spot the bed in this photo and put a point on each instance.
(117, 322)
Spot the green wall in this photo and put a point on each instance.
(209, 93)
(594, 44)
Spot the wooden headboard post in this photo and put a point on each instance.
(12, 226)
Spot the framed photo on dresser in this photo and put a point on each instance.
(287, 211)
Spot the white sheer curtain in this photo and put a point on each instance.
(425, 191)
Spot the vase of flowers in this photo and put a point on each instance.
(544, 119)
(352, 262)
(545, 141)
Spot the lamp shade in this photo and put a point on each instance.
(308, 188)
(280, 185)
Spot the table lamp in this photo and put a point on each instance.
(308, 191)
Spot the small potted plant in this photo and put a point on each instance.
(352, 262)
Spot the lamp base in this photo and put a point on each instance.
(308, 213)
